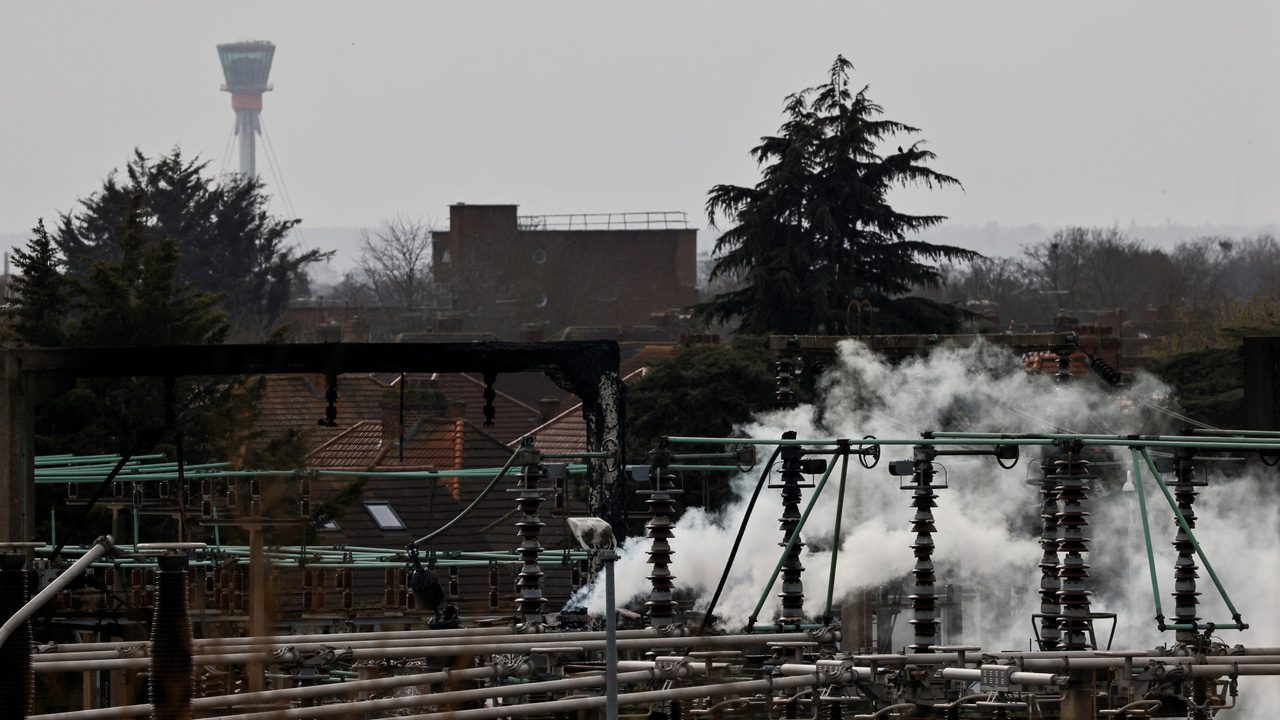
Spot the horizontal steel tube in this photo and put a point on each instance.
(637, 698)
(854, 672)
(452, 640)
(527, 643)
(345, 710)
(284, 694)
(1097, 663)
(1016, 677)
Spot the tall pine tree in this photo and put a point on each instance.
(227, 242)
(816, 234)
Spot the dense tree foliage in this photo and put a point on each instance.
(42, 292)
(705, 391)
(131, 296)
(817, 234)
(225, 241)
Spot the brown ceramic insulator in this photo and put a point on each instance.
(172, 667)
(924, 620)
(529, 599)
(17, 683)
(1074, 482)
(792, 594)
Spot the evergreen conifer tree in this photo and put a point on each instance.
(817, 234)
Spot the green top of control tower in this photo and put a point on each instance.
(246, 65)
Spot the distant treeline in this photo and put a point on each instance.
(1210, 284)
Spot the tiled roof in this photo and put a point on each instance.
(356, 447)
(564, 433)
(297, 402)
(567, 432)
(421, 506)
(511, 418)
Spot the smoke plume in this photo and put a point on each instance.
(988, 518)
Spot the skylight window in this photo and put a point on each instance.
(329, 525)
(383, 514)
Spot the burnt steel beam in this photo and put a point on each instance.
(913, 344)
(332, 358)
(588, 369)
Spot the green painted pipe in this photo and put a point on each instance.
(1146, 532)
(1176, 444)
(1255, 433)
(835, 534)
(1125, 440)
(862, 441)
(791, 541)
(1182, 522)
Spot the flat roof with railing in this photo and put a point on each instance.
(643, 220)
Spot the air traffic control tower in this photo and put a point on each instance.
(246, 66)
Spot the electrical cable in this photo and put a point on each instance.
(742, 529)
(226, 152)
(465, 511)
(274, 162)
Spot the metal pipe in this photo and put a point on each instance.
(349, 687)
(1099, 663)
(836, 537)
(636, 698)
(527, 644)
(608, 556)
(848, 672)
(452, 639)
(1016, 677)
(362, 707)
(866, 441)
(1138, 485)
(1186, 527)
(101, 547)
(792, 538)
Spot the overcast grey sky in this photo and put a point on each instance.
(1068, 113)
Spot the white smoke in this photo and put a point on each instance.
(987, 519)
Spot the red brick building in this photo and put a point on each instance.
(502, 271)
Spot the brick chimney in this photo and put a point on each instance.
(421, 400)
(548, 407)
(457, 410)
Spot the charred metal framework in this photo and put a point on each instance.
(773, 671)
(588, 369)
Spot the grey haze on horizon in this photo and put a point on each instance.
(1141, 115)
